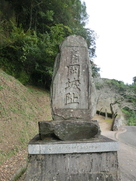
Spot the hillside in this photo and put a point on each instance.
(115, 95)
(20, 110)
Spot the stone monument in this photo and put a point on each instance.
(73, 94)
(70, 147)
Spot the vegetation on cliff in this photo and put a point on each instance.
(31, 32)
(123, 96)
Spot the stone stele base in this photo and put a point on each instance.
(89, 160)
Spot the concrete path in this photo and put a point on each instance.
(128, 136)
(127, 153)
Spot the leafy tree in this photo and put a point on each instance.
(41, 14)
(134, 79)
(95, 70)
(28, 53)
(32, 56)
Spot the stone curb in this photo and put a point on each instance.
(121, 130)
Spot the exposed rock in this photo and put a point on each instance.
(69, 129)
(117, 123)
(73, 94)
(115, 93)
(107, 95)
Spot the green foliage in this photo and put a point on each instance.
(29, 50)
(118, 85)
(30, 57)
(23, 77)
(133, 87)
(130, 116)
(98, 85)
(38, 14)
(13, 53)
(95, 70)
(130, 98)
(134, 79)
(1, 87)
(125, 95)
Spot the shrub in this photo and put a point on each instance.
(130, 116)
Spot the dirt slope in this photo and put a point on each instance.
(20, 110)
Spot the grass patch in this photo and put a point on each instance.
(108, 120)
(1, 87)
(6, 155)
(130, 115)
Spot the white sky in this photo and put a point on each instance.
(115, 23)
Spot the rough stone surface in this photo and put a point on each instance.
(107, 94)
(73, 167)
(117, 123)
(69, 130)
(73, 94)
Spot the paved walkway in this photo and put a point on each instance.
(126, 154)
(128, 136)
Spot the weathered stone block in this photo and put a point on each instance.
(77, 166)
(73, 94)
(69, 130)
(117, 123)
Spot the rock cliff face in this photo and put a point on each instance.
(112, 97)
(106, 95)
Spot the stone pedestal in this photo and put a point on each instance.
(89, 160)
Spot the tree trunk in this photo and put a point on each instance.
(114, 114)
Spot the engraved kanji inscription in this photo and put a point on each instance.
(72, 81)
(73, 71)
(75, 84)
(72, 98)
(72, 89)
(75, 55)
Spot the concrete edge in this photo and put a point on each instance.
(78, 147)
(120, 131)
